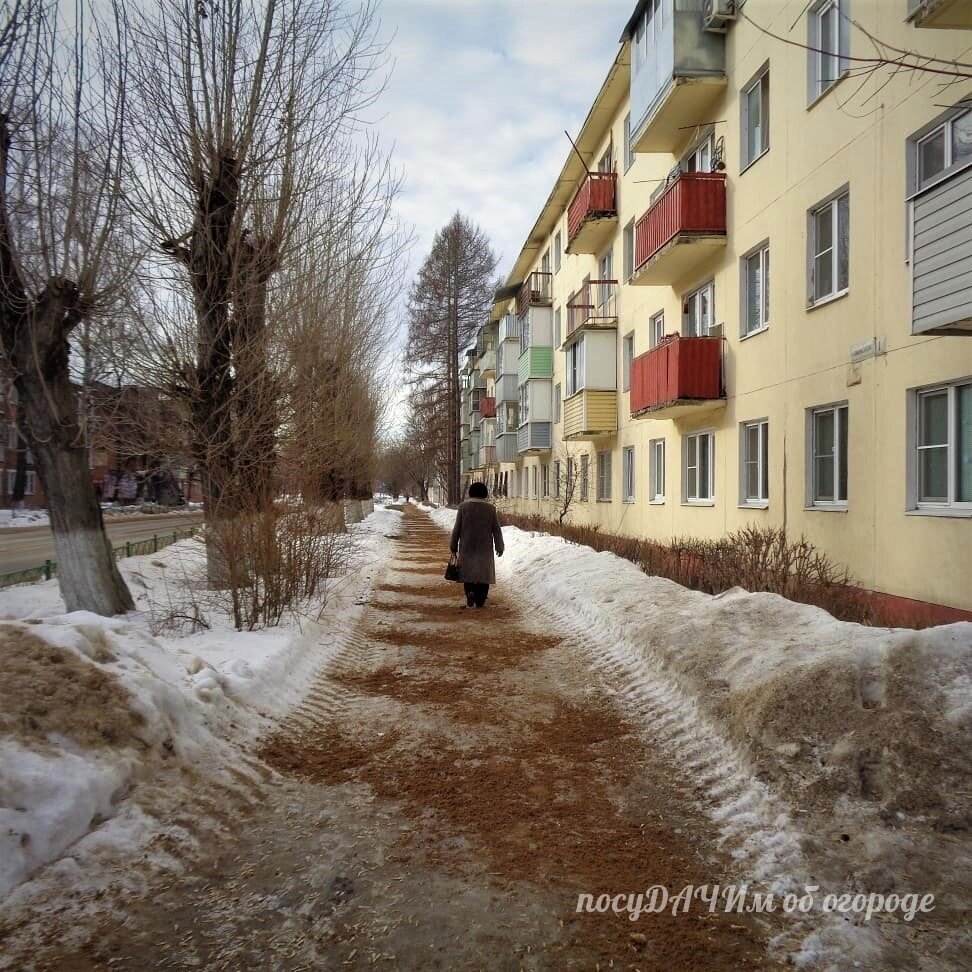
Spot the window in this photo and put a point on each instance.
(558, 251)
(545, 261)
(755, 288)
(699, 159)
(656, 329)
(754, 445)
(697, 311)
(627, 356)
(605, 292)
(755, 118)
(556, 479)
(604, 477)
(584, 477)
(606, 161)
(829, 42)
(524, 412)
(628, 154)
(828, 456)
(575, 367)
(656, 471)
(628, 248)
(557, 320)
(570, 477)
(524, 333)
(628, 471)
(29, 482)
(950, 144)
(943, 447)
(829, 236)
(699, 473)
(533, 482)
(557, 403)
(545, 480)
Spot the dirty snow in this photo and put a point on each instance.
(197, 696)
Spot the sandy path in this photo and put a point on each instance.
(447, 789)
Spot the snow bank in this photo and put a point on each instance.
(824, 749)
(23, 518)
(90, 706)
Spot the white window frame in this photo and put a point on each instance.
(545, 480)
(700, 157)
(823, 48)
(761, 82)
(656, 329)
(952, 446)
(585, 477)
(545, 261)
(691, 319)
(627, 357)
(628, 491)
(833, 205)
(761, 462)
(945, 128)
(558, 251)
(692, 478)
(556, 479)
(604, 477)
(575, 366)
(656, 471)
(760, 253)
(841, 412)
(533, 482)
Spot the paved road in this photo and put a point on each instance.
(23, 547)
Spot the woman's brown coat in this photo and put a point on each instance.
(476, 532)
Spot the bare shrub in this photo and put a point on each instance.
(754, 558)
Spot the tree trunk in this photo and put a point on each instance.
(20, 469)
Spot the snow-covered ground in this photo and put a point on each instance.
(92, 705)
(829, 753)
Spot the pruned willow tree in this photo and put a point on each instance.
(63, 255)
(449, 299)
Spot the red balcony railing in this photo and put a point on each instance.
(596, 199)
(595, 304)
(487, 407)
(677, 370)
(695, 203)
(535, 290)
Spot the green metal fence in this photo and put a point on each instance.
(131, 548)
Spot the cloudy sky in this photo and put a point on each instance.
(479, 97)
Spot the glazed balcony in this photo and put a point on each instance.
(534, 437)
(487, 363)
(507, 388)
(593, 214)
(509, 328)
(506, 447)
(677, 81)
(681, 376)
(535, 292)
(940, 13)
(487, 407)
(590, 413)
(535, 362)
(681, 229)
(487, 455)
(593, 307)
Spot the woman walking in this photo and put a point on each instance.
(476, 532)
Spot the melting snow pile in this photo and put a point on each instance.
(90, 706)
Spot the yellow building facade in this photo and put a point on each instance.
(754, 279)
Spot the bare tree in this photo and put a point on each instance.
(61, 206)
(448, 301)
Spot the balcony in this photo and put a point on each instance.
(507, 388)
(681, 228)
(594, 306)
(535, 292)
(682, 376)
(535, 362)
(487, 363)
(593, 214)
(479, 379)
(487, 407)
(590, 413)
(534, 437)
(941, 232)
(509, 328)
(940, 13)
(678, 73)
(506, 447)
(488, 455)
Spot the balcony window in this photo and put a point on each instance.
(545, 262)
(755, 117)
(627, 356)
(575, 367)
(754, 463)
(628, 474)
(829, 239)
(755, 285)
(948, 145)
(828, 456)
(604, 477)
(699, 472)
(697, 311)
(942, 444)
(656, 329)
(524, 411)
(656, 471)
(699, 159)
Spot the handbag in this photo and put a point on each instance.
(452, 569)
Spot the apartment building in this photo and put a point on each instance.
(748, 296)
